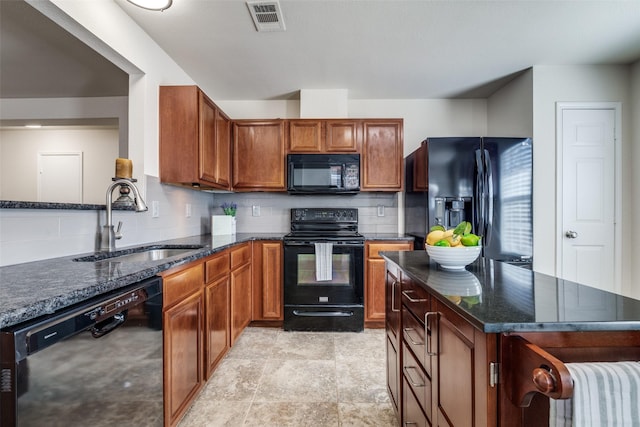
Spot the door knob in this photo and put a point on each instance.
(571, 234)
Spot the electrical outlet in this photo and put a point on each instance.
(380, 210)
(155, 209)
(255, 210)
(187, 210)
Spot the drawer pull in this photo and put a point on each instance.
(410, 423)
(406, 294)
(407, 332)
(411, 380)
(393, 296)
(428, 327)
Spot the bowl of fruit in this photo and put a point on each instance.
(455, 248)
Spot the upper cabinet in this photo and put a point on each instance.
(323, 136)
(259, 155)
(381, 156)
(195, 139)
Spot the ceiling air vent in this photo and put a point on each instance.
(266, 15)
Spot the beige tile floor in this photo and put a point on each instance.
(276, 378)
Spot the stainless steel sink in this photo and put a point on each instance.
(143, 254)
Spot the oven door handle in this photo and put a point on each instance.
(323, 313)
(336, 243)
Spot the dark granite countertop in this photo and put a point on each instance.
(34, 289)
(498, 297)
(37, 288)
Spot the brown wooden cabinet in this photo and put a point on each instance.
(258, 155)
(374, 280)
(462, 395)
(417, 163)
(183, 319)
(444, 363)
(240, 280)
(217, 303)
(392, 329)
(267, 281)
(194, 139)
(382, 155)
(324, 136)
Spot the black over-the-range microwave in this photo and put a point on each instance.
(323, 173)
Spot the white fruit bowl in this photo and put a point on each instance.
(453, 258)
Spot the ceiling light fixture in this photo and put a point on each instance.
(152, 4)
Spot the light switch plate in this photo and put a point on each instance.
(155, 209)
(255, 210)
(380, 210)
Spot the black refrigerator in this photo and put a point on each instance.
(486, 181)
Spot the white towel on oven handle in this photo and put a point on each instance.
(324, 261)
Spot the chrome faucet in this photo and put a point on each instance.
(109, 236)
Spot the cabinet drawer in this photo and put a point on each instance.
(415, 298)
(413, 333)
(411, 411)
(240, 255)
(217, 266)
(374, 249)
(178, 285)
(417, 380)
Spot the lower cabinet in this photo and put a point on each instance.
(267, 266)
(374, 277)
(443, 361)
(217, 294)
(240, 282)
(392, 329)
(183, 320)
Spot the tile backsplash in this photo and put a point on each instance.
(34, 234)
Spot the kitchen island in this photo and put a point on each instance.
(486, 346)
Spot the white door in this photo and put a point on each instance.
(587, 192)
(60, 177)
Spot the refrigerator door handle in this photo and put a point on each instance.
(478, 196)
(488, 221)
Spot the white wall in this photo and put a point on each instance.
(633, 287)
(510, 109)
(552, 84)
(20, 148)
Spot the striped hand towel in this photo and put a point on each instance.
(605, 394)
(324, 261)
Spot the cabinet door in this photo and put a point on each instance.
(223, 150)
(342, 136)
(267, 281)
(240, 300)
(420, 172)
(382, 155)
(462, 395)
(393, 376)
(182, 355)
(217, 330)
(375, 273)
(305, 136)
(258, 155)
(393, 304)
(208, 170)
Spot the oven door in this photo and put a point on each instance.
(314, 304)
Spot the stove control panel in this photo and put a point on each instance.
(343, 215)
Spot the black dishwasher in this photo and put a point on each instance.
(97, 363)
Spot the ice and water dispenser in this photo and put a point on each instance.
(451, 211)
